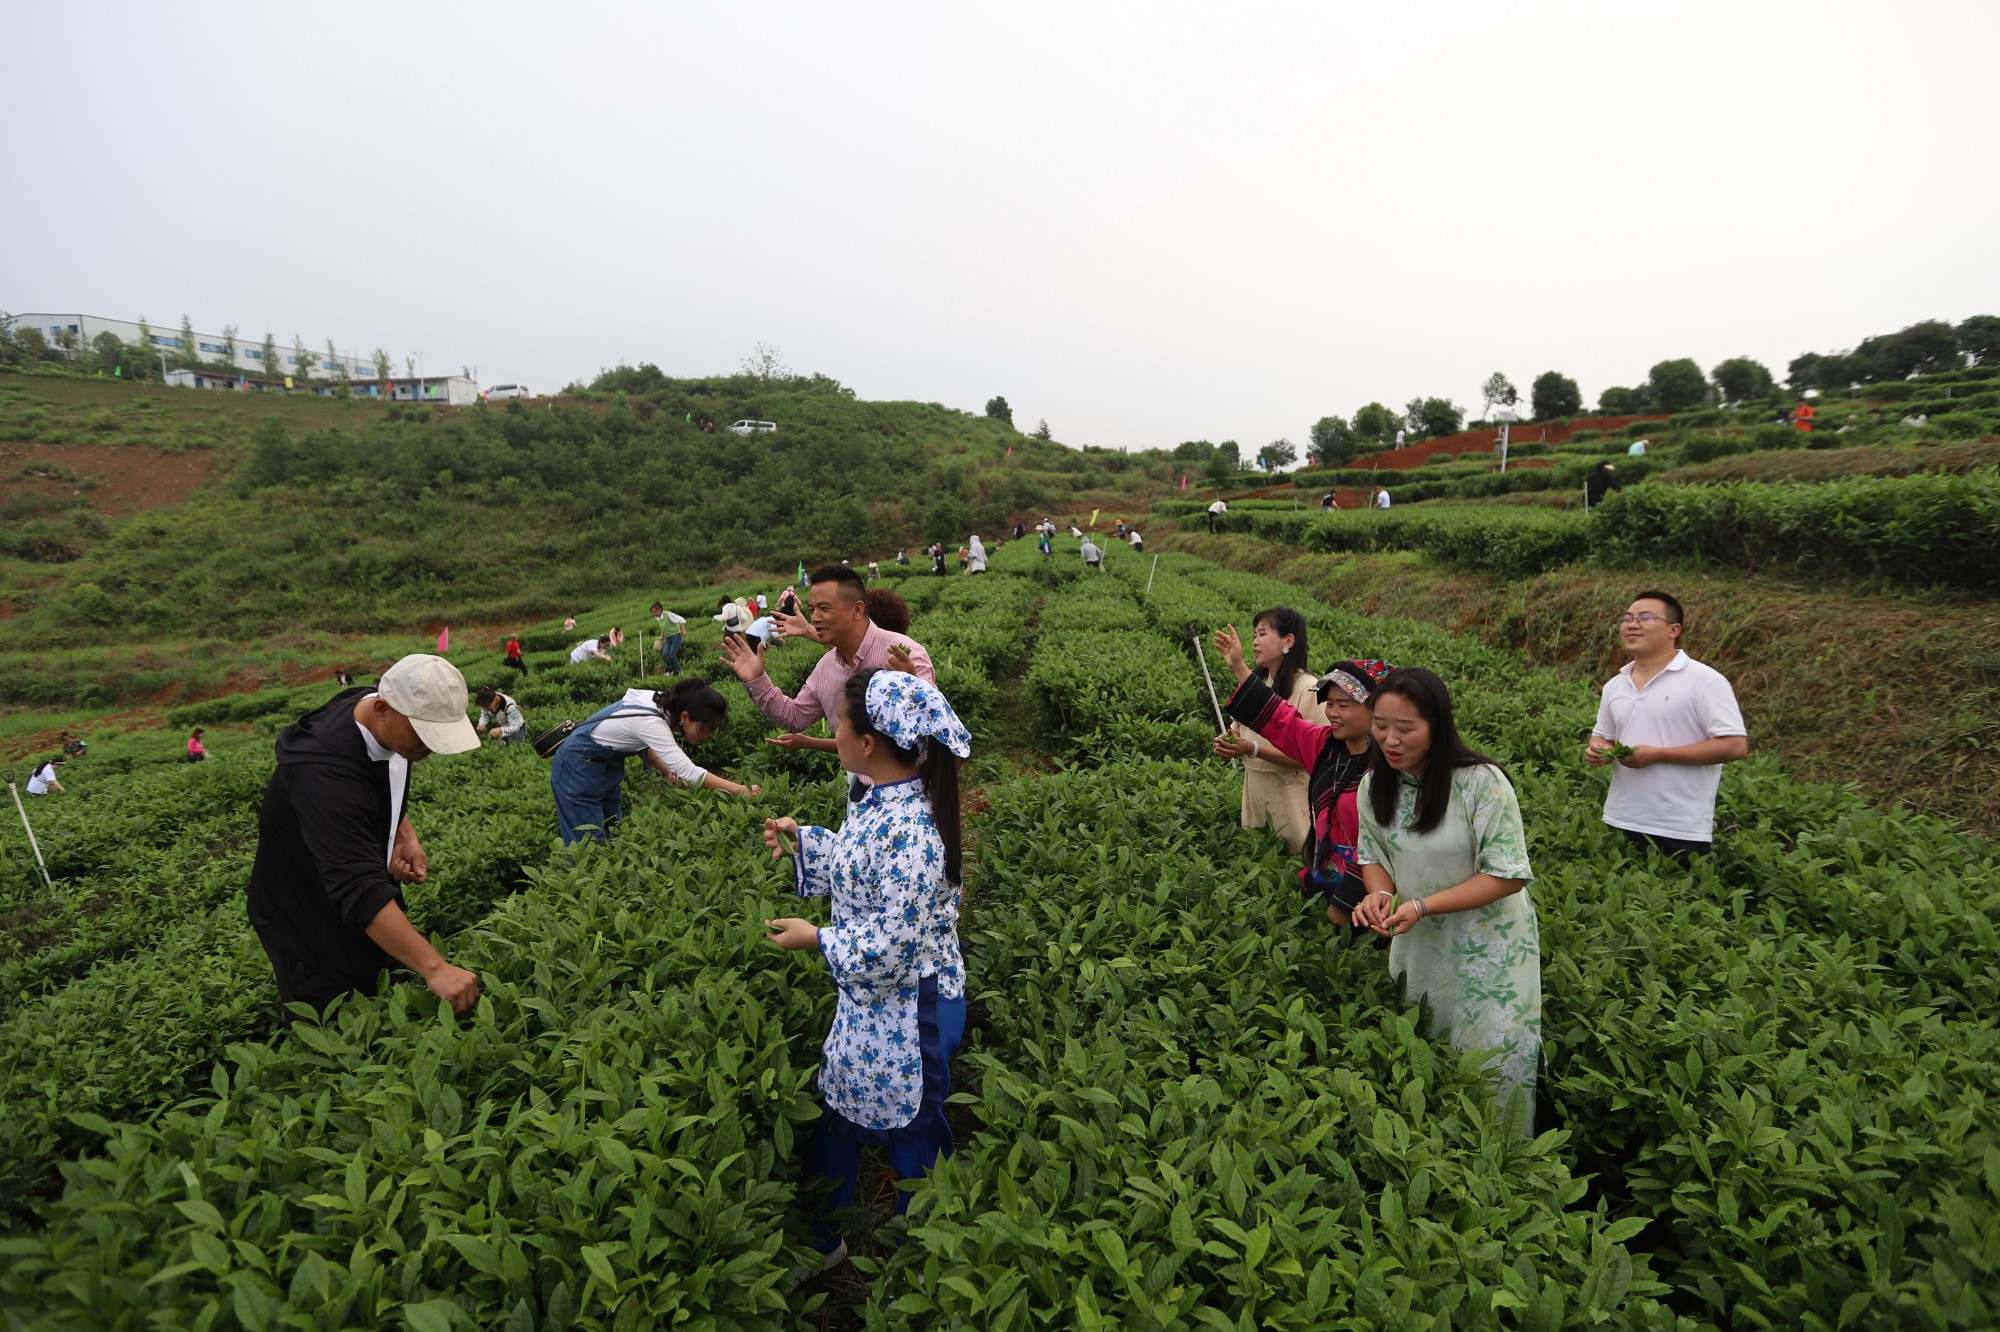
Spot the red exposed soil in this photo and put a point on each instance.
(1489, 438)
(129, 480)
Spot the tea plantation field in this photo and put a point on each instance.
(1771, 1093)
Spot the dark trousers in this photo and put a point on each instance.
(299, 983)
(516, 663)
(1679, 849)
(914, 1148)
(1211, 523)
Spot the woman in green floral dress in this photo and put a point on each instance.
(1446, 866)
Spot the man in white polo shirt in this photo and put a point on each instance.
(1680, 721)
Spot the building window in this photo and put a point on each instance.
(253, 353)
(216, 348)
(160, 340)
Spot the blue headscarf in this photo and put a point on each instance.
(910, 711)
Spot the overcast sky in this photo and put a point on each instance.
(1144, 223)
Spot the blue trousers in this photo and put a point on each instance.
(911, 1149)
(670, 652)
(586, 780)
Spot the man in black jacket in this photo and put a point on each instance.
(334, 841)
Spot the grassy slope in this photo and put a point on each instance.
(1824, 675)
(356, 529)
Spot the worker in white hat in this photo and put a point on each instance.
(335, 844)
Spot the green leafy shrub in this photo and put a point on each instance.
(1771, 435)
(1962, 425)
(1707, 446)
(1509, 542)
(1941, 530)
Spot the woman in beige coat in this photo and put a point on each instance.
(1274, 786)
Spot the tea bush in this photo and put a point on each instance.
(537, 1163)
(1963, 425)
(1770, 1095)
(1926, 529)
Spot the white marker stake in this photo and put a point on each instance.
(1220, 725)
(31, 834)
(1156, 570)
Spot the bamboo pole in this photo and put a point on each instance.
(23, 809)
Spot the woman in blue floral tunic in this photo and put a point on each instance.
(893, 872)
(1445, 862)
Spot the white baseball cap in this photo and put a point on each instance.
(431, 693)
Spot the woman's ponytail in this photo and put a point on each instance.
(941, 785)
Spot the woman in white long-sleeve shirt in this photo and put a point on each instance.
(588, 773)
(977, 564)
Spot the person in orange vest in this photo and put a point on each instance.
(1802, 417)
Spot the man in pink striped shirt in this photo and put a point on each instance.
(838, 603)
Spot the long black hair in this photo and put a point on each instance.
(697, 698)
(1284, 620)
(940, 773)
(1448, 752)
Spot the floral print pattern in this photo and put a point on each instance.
(895, 921)
(907, 709)
(1481, 970)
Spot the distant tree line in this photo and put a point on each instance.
(1672, 386)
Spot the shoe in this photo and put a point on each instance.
(831, 1259)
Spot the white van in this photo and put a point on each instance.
(753, 427)
(507, 391)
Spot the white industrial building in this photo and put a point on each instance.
(208, 346)
(450, 390)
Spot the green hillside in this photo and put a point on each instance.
(316, 519)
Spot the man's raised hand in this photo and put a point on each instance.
(745, 660)
(795, 626)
